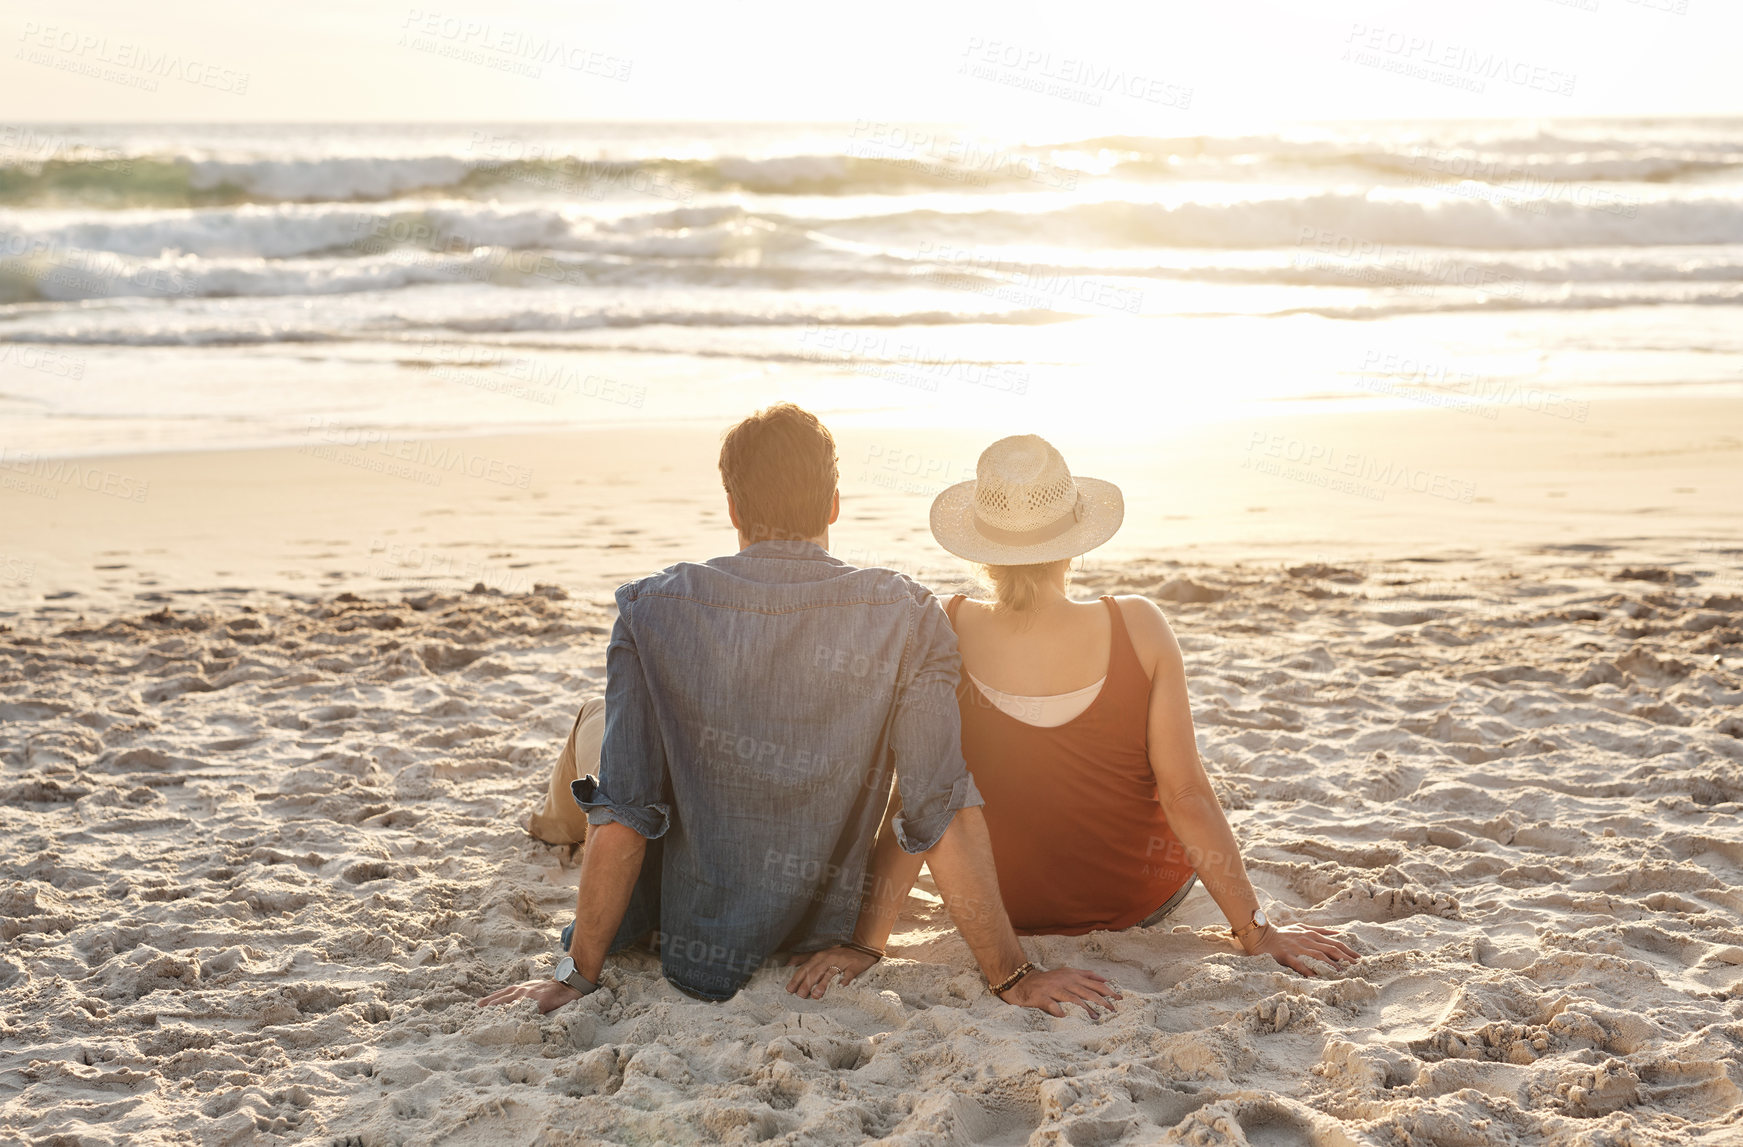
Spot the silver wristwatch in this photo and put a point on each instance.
(566, 974)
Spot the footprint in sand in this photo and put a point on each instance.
(1500, 1042)
(1609, 1087)
(1278, 1012)
(1411, 1008)
(1364, 900)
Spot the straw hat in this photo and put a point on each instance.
(1024, 507)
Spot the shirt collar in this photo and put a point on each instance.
(800, 550)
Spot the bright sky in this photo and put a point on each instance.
(1143, 65)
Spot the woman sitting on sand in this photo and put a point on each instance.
(1077, 728)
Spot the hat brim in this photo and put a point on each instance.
(956, 528)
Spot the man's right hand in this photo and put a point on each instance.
(548, 994)
(1051, 991)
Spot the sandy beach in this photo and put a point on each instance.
(378, 512)
(353, 355)
(268, 730)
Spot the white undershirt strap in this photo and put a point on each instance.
(1043, 712)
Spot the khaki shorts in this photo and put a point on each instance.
(560, 820)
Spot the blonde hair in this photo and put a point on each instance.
(1017, 589)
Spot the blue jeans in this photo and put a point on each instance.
(1169, 904)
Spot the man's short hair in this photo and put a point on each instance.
(779, 468)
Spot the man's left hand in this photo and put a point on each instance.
(548, 994)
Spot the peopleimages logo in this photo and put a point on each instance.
(551, 168)
(878, 354)
(1069, 78)
(1435, 383)
(1405, 269)
(1456, 65)
(46, 360)
(413, 562)
(504, 49)
(45, 477)
(21, 143)
(121, 61)
(1514, 183)
(1348, 471)
(435, 458)
(91, 273)
(525, 377)
(16, 570)
(952, 157)
(1025, 284)
(485, 260)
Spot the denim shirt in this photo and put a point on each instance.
(756, 708)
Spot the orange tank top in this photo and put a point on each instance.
(1078, 832)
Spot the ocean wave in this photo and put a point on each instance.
(1526, 175)
(154, 331)
(1333, 223)
(1648, 155)
(121, 181)
(1322, 241)
(77, 276)
(45, 169)
(288, 232)
(111, 182)
(1344, 220)
(283, 231)
(581, 320)
(1405, 303)
(1402, 266)
(257, 250)
(157, 323)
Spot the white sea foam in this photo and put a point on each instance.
(695, 237)
(1404, 217)
(214, 166)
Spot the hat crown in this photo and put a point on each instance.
(1022, 483)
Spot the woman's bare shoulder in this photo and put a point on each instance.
(969, 608)
(1152, 636)
(1141, 611)
(967, 602)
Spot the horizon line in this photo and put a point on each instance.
(670, 122)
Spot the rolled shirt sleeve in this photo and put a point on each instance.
(631, 787)
(926, 737)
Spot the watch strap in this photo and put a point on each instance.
(581, 983)
(1251, 925)
(575, 979)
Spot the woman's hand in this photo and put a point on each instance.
(817, 970)
(1291, 944)
(1051, 991)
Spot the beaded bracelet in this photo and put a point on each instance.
(1013, 979)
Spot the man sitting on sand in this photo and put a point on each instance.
(757, 707)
